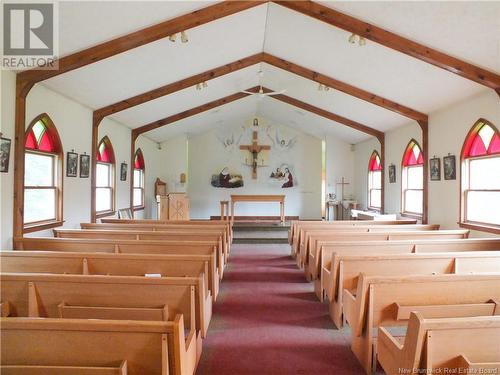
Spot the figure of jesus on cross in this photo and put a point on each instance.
(255, 150)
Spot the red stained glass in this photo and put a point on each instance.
(139, 160)
(475, 145)
(413, 155)
(105, 152)
(46, 143)
(30, 141)
(374, 164)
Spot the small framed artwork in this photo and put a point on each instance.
(4, 154)
(71, 164)
(449, 167)
(435, 169)
(123, 172)
(392, 173)
(84, 166)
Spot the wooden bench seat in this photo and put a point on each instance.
(328, 270)
(314, 238)
(123, 247)
(63, 370)
(388, 301)
(112, 264)
(348, 268)
(442, 346)
(295, 225)
(304, 233)
(113, 297)
(171, 235)
(219, 230)
(193, 222)
(153, 348)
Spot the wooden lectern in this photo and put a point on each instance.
(173, 206)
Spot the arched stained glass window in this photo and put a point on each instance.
(139, 169)
(374, 181)
(480, 180)
(42, 174)
(412, 179)
(105, 177)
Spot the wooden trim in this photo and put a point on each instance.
(395, 42)
(326, 114)
(481, 228)
(139, 38)
(178, 85)
(382, 162)
(133, 153)
(191, 112)
(105, 214)
(344, 87)
(43, 226)
(424, 125)
(96, 120)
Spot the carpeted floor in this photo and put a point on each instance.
(267, 320)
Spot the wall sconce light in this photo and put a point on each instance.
(182, 178)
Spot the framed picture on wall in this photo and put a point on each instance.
(123, 172)
(435, 169)
(450, 167)
(392, 173)
(71, 164)
(84, 166)
(4, 154)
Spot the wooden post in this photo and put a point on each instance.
(381, 139)
(96, 121)
(424, 125)
(133, 138)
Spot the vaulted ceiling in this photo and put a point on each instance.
(466, 30)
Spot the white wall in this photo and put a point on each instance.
(7, 127)
(339, 163)
(207, 157)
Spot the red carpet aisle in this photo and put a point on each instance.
(268, 321)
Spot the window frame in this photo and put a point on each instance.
(142, 187)
(465, 182)
(370, 182)
(112, 179)
(57, 177)
(404, 182)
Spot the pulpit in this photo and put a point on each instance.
(173, 206)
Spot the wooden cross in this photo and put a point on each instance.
(255, 149)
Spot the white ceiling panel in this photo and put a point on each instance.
(383, 71)
(84, 24)
(218, 117)
(467, 30)
(307, 122)
(155, 64)
(332, 100)
(189, 98)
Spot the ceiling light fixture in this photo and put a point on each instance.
(184, 37)
(172, 38)
(198, 86)
(362, 41)
(352, 39)
(322, 87)
(205, 85)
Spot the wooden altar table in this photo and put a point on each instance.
(259, 198)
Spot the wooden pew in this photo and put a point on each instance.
(153, 348)
(442, 346)
(148, 235)
(331, 255)
(120, 369)
(106, 297)
(304, 233)
(348, 268)
(295, 225)
(314, 239)
(112, 264)
(388, 301)
(220, 230)
(122, 246)
(225, 223)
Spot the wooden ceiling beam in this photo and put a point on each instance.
(395, 42)
(139, 38)
(327, 114)
(344, 87)
(239, 95)
(191, 112)
(179, 85)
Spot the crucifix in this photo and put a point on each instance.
(255, 150)
(342, 183)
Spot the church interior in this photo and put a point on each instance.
(250, 187)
